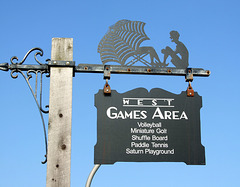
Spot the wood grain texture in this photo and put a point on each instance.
(60, 116)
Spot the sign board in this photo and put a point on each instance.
(142, 126)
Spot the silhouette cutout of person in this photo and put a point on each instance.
(180, 55)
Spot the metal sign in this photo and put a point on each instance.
(135, 126)
(122, 42)
(142, 126)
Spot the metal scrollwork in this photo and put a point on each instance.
(39, 52)
(35, 92)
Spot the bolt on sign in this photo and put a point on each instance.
(142, 126)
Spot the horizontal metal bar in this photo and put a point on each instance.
(28, 67)
(114, 69)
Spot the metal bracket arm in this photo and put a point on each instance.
(115, 69)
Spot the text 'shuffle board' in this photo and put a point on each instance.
(142, 126)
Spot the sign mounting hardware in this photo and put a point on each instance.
(106, 76)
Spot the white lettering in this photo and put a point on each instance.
(143, 114)
(158, 152)
(184, 115)
(136, 114)
(159, 138)
(154, 102)
(140, 102)
(110, 114)
(126, 101)
(113, 113)
(140, 144)
(134, 151)
(167, 114)
(169, 101)
(158, 114)
(161, 131)
(174, 115)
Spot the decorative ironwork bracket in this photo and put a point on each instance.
(107, 70)
(40, 69)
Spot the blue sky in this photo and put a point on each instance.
(209, 29)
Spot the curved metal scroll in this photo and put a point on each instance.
(27, 77)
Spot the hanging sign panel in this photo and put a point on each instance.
(142, 126)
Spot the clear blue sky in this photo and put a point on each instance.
(210, 30)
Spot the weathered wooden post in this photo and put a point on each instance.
(60, 114)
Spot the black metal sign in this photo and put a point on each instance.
(142, 126)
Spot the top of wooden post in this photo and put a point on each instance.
(62, 49)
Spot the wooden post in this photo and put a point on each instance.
(60, 115)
